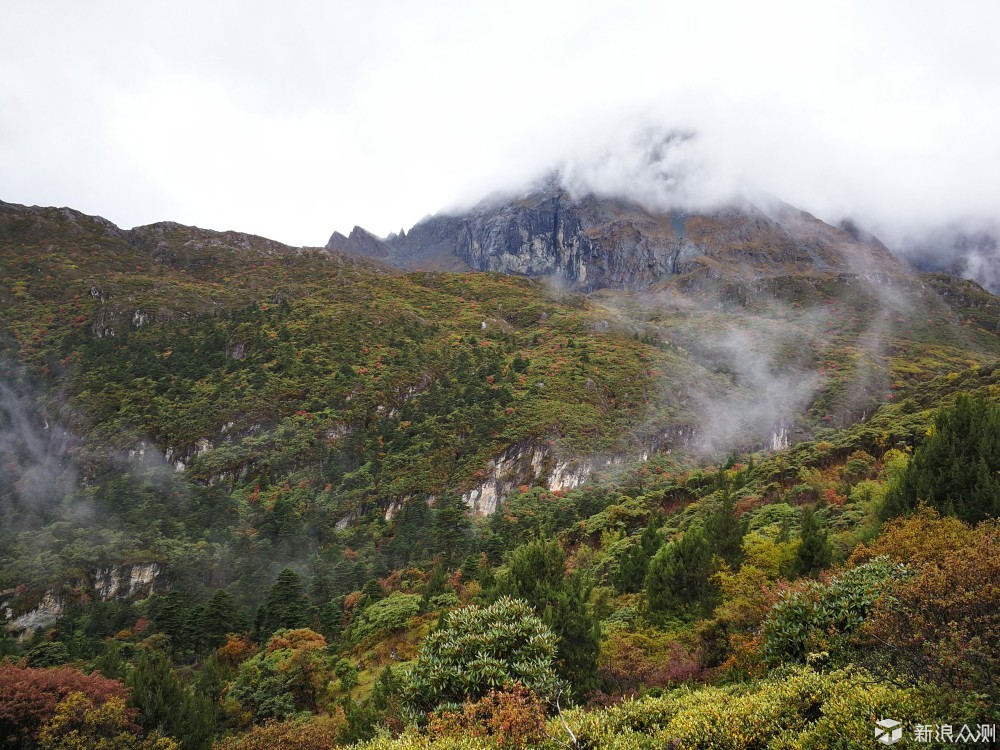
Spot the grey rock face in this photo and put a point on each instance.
(593, 242)
(359, 242)
(136, 580)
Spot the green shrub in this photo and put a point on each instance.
(812, 618)
(386, 615)
(480, 649)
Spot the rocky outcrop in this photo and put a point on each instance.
(590, 242)
(528, 463)
(127, 581)
(44, 615)
(180, 459)
(359, 242)
(137, 580)
(520, 464)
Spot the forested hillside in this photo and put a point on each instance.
(260, 496)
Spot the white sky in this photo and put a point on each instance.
(294, 119)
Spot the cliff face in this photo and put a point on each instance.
(597, 242)
(136, 580)
(359, 242)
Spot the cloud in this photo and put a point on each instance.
(294, 122)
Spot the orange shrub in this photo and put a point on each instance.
(512, 718)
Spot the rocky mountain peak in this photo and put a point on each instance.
(591, 242)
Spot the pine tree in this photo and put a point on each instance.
(678, 574)
(814, 552)
(221, 617)
(167, 705)
(171, 616)
(452, 531)
(631, 570)
(286, 606)
(536, 573)
(957, 469)
(411, 534)
(723, 531)
(635, 562)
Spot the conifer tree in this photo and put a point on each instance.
(678, 574)
(723, 529)
(286, 606)
(221, 617)
(631, 570)
(536, 573)
(167, 705)
(957, 469)
(451, 528)
(635, 562)
(814, 552)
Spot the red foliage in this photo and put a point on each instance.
(831, 496)
(28, 697)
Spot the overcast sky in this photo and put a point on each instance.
(294, 119)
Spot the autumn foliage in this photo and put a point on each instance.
(942, 623)
(512, 718)
(319, 733)
(29, 697)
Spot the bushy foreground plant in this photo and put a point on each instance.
(799, 708)
(815, 617)
(943, 624)
(29, 697)
(511, 718)
(288, 676)
(479, 649)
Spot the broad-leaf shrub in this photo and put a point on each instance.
(942, 623)
(385, 616)
(512, 718)
(480, 649)
(29, 697)
(288, 676)
(812, 618)
(800, 708)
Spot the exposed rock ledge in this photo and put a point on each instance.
(526, 462)
(129, 581)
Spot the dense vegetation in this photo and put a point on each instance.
(286, 438)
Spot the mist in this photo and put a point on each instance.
(37, 473)
(294, 123)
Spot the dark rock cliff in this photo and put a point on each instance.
(597, 242)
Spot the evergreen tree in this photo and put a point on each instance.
(452, 531)
(167, 705)
(411, 534)
(814, 552)
(372, 592)
(631, 570)
(436, 581)
(221, 617)
(650, 539)
(957, 469)
(678, 574)
(286, 606)
(172, 617)
(635, 562)
(536, 573)
(723, 531)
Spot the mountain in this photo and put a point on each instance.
(592, 242)
(232, 471)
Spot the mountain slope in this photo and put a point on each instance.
(308, 390)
